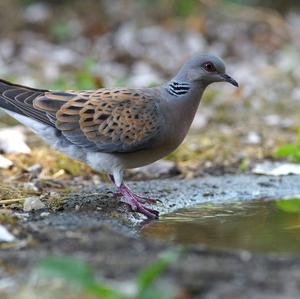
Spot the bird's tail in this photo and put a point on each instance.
(17, 98)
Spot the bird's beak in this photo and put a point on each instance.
(229, 80)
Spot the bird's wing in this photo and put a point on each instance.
(106, 120)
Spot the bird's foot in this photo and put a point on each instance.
(141, 199)
(144, 199)
(136, 202)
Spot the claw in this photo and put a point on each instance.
(145, 199)
(137, 202)
(138, 207)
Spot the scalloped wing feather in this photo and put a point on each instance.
(107, 120)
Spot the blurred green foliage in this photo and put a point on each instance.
(244, 165)
(185, 7)
(60, 31)
(82, 79)
(290, 206)
(79, 274)
(290, 150)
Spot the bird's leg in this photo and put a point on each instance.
(142, 199)
(135, 201)
(117, 193)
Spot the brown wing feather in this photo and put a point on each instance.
(106, 120)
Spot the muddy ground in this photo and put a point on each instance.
(94, 227)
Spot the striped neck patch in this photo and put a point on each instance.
(176, 88)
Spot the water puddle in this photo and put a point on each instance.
(263, 226)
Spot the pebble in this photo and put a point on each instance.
(5, 235)
(253, 138)
(276, 168)
(45, 214)
(34, 169)
(31, 186)
(5, 163)
(12, 140)
(245, 256)
(277, 120)
(33, 203)
(159, 168)
(36, 13)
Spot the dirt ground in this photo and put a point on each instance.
(96, 228)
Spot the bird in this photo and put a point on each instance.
(114, 129)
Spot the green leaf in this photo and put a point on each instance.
(78, 273)
(60, 31)
(84, 80)
(89, 63)
(105, 292)
(296, 157)
(150, 273)
(291, 150)
(289, 205)
(60, 83)
(244, 165)
(287, 150)
(69, 269)
(183, 8)
(162, 292)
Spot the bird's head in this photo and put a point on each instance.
(206, 69)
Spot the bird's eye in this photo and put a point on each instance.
(209, 67)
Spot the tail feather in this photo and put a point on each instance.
(19, 99)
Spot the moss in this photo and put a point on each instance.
(55, 202)
(6, 218)
(51, 162)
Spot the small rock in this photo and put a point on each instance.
(276, 168)
(12, 140)
(207, 193)
(37, 13)
(45, 214)
(245, 256)
(5, 235)
(21, 215)
(157, 169)
(253, 138)
(34, 169)
(31, 186)
(277, 120)
(5, 163)
(33, 203)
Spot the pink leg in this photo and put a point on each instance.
(136, 202)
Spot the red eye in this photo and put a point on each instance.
(209, 67)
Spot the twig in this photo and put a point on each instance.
(10, 201)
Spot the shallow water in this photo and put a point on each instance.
(264, 226)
